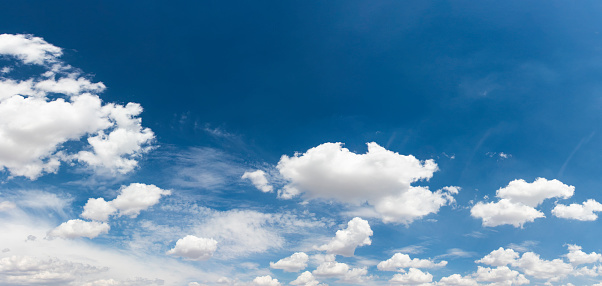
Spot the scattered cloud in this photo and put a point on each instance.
(194, 248)
(583, 212)
(259, 180)
(293, 263)
(345, 242)
(412, 277)
(78, 228)
(400, 261)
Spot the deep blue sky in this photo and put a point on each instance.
(434, 79)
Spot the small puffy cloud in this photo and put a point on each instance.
(500, 257)
(194, 248)
(331, 269)
(582, 212)
(259, 180)
(305, 279)
(98, 209)
(78, 228)
(266, 281)
(500, 276)
(533, 194)
(380, 177)
(400, 261)
(42, 113)
(6, 206)
(29, 49)
(552, 270)
(457, 280)
(137, 197)
(345, 242)
(576, 256)
(505, 212)
(412, 277)
(293, 263)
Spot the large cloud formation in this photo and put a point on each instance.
(380, 177)
(43, 112)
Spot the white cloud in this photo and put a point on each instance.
(399, 261)
(293, 263)
(576, 256)
(582, 212)
(500, 257)
(78, 228)
(29, 49)
(331, 269)
(128, 282)
(552, 270)
(505, 212)
(6, 206)
(305, 279)
(137, 197)
(500, 276)
(40, 115)
(27, 270)
(413, 277)
(378, 177)
(98, 209)
(457, 280)
(345, 242)
(266, 281)
(259, 180)
(533, 194)
(194, 248)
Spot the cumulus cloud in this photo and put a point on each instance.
(331, 268)
(400, 261)
(194, 248)
(98, 209)
(518, 201)
(576, 256)
(293, 263)
(42, 113)
(500, 276)
(553, 270)
(305, 279)
(380, 177)
(137, 197)
(345, 242)
(412, 277)
(500, 257)
(78, 228)
(582, 212)
(259, 180)
(266, 281)
(457, 280)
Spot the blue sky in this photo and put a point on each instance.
(300, 143)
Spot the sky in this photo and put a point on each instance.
(300, 143)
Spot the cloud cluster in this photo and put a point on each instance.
(345, 242)
(42, 113)
(399, 261)
(518, 202)
(293, 263)
(27, 270)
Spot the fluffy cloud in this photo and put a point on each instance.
(552, 270)
(380, 177)
(505, 212)
(137, 197)
(98, 209)
(266, 281)
(78, 228)
(41, 114)
(576, 256)
(457, 280)
(293, 263)
(582, 212)
(305, 279)
(29, 49)
(356, 234)
(399, 261)
(27, 270)
(346, 274)
(413, 277)
(259, 180)
(518, 201)
(194, 248)
(500, 257)
(500, 276)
